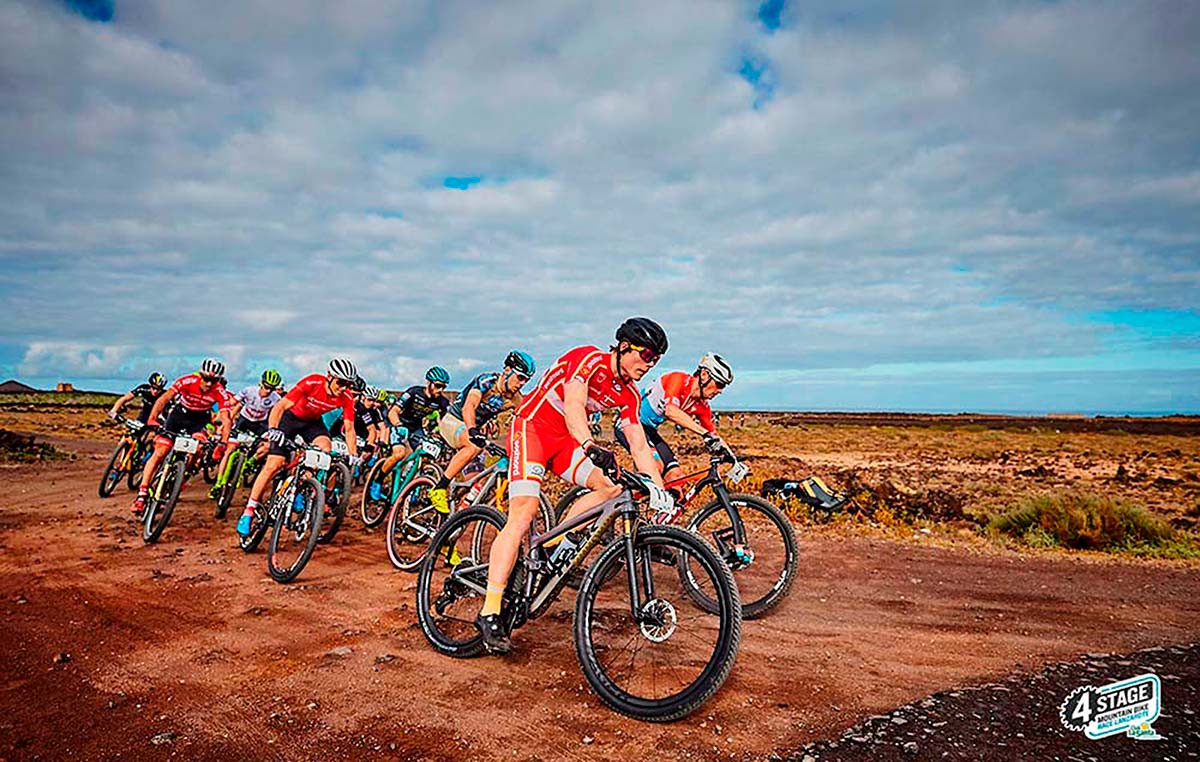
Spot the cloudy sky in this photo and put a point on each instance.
(928, 205)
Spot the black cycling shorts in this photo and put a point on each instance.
(183, 421)
(257, 428)
(291, 426)
(661, 448)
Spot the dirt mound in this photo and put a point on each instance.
(871, 495)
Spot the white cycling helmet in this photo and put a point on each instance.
(212, 367)
(341, 368)
(370, 393)
(717, 368)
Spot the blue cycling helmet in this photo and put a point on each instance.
(437, 375)
(521, 362)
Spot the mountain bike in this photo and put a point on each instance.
(754, 537)
(129, 454)
(643, 647)
(177, 467)
(240, 468)
(412, 520)
(422, 460)
(292, 511)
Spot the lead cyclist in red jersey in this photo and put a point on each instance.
(196, 394)
(550, 430)
(299, 413)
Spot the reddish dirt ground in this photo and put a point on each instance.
(186, 649)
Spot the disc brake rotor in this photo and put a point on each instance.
(658, 620)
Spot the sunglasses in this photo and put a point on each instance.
(437, 386)
(341, 384)
(209, 379)
(522, 377)
(647, 354)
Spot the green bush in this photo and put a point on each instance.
(1081, 521)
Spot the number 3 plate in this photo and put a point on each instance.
(186, 444)
(430, 448)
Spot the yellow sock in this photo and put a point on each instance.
(491, 602)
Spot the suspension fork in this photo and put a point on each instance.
(628, 519)
(162, 475)
(735, 518)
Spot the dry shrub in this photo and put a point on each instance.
(1083, 521)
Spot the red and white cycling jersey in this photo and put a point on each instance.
(673, 389)
(544, 406)
(311, 400)
(193, 398)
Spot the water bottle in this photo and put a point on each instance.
(564, 552)
(298, 503)
(473, 493)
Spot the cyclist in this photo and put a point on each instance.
(148, 393)
(682, 398)
(550, 431)
(367, 416)
(407, 415)
(248, 410)
(194, 395)
(299, 414)
(478, 403)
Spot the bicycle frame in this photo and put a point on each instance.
(711, 478)
(603, 517)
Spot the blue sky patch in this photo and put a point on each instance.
(93, 10)
(769, 13)
(461, 183)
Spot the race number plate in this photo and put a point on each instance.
(739, 471)
(244, 438)
(431, 448)
(339, 447)
(318, 460)
(186, 444)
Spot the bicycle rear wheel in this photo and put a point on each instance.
(114, 471)
(451, 582)
(671, 658)
(294, 536)
(160, 504)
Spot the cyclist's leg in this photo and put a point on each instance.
(577, 469)
(664, 456)
(454, 431)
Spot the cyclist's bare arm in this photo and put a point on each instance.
(160, 404)
(276, 414)
(675, 414)
(235, 410)
(224, 424)
(643, 456)
(469, 405)
(121, 402)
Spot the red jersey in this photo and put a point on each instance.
(674, 389)
(195, 399)
(544, 405)
(311, 399)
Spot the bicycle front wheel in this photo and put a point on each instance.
(297, 527)
(663, 662)
(767, 566)
(376, 496)
(114, 471)
(232, 475)
(337, 500)
(411, 524)
(164, 493)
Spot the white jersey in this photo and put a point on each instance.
(255, 407)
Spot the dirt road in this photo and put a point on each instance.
(187, 649)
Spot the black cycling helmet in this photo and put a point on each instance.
(157, 379)
(359, 384)
(643, 332)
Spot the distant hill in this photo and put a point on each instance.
(13, 386)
